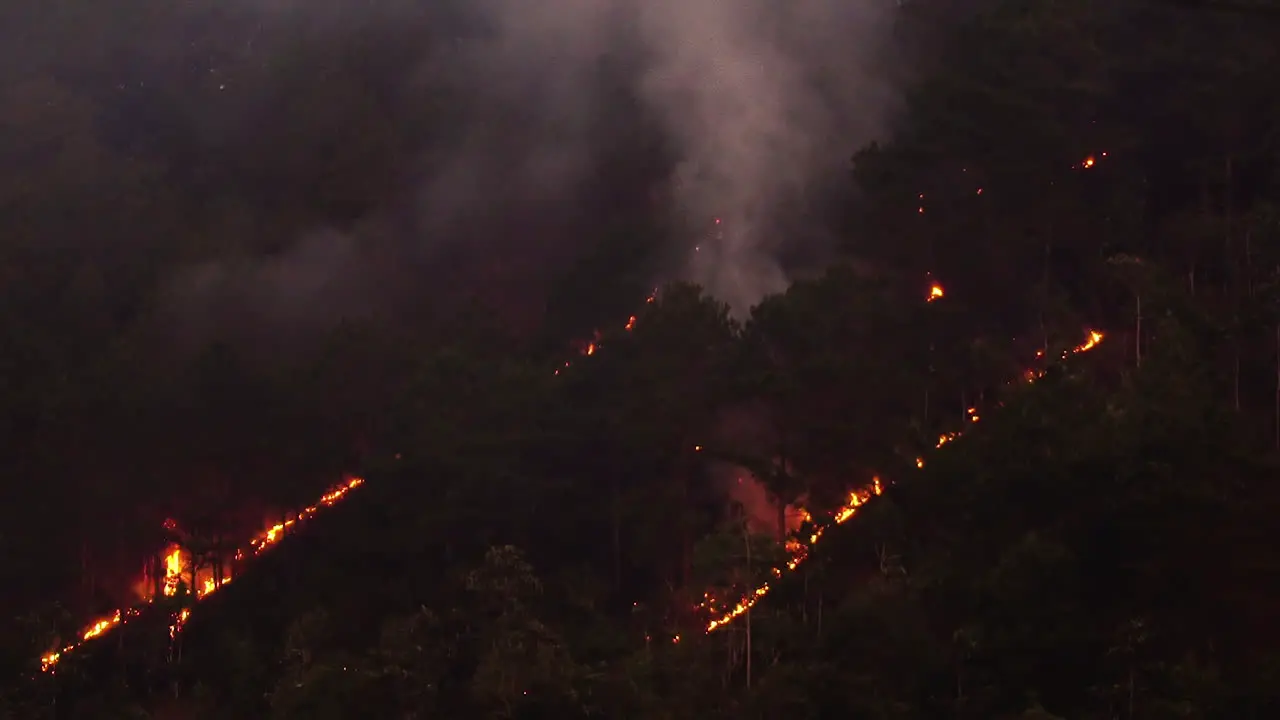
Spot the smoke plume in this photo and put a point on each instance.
(550, 105)
(764, 100)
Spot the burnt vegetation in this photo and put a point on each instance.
(539, 538)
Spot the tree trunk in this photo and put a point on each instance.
(782, 521)
(617, 534)
(219, 557)
(1235, 388)
(1137, 333)
(683, 463)
(746, 539)
(86, 575)
(1248, 262)
(804, 607)
(1227, 226)
(157, 574)
(1044, 298)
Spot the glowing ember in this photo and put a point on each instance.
(178, 622)
(935, 292)
(590, 348)
(178, 570)
(1089, 162)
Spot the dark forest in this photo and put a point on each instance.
(411, 359)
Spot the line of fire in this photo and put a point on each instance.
(194, 568)
(723, 611)
(191, 567)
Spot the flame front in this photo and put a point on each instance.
(178, 570)
(177, 563)
(799, 551)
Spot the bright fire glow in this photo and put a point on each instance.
(178, 571)
(178, 563)
(798, 552)
(1090, 161)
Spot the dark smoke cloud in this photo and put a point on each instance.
(759, 104)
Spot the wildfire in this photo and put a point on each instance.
(799, 551)
(1090, 161)
(593, 346)
(178, 564)
(178, 622)
(178, 568)
(1094, 338)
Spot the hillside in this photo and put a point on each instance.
(1012, 454)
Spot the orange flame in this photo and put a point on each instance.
(799, 551)
(178, 565)
(591, 347)
(1090, 161)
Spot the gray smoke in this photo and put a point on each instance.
(765, 100)
(760, 101)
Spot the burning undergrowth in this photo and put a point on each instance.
(191, 568)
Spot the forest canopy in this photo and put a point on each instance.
(1011, 453)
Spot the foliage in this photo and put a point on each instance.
(538, 538)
